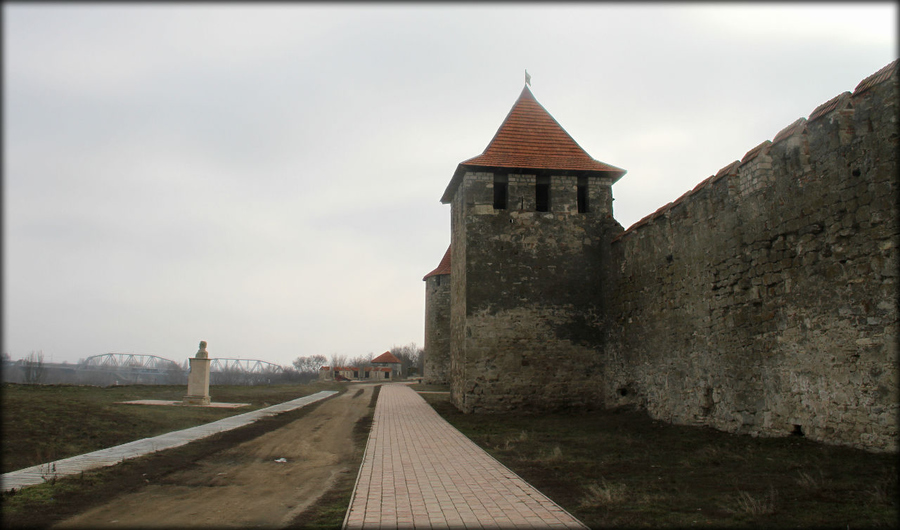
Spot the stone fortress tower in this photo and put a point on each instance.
(437, 323)
(763, 301)
(531, 218)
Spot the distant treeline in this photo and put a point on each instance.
(27, 372)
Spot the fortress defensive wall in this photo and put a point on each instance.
(763, 301)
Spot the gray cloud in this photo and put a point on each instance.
(267, 177)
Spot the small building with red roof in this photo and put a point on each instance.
(355, 373)
(389, 360)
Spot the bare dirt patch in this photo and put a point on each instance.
(245, 484)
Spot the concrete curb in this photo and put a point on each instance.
(360, 470)
(114, 455)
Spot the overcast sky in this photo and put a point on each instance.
(268, 177)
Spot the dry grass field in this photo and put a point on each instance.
(42, 423)
(619, 469)
(61, 499)
(613, 468)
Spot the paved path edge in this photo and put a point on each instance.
(110, 456)
(359, 471)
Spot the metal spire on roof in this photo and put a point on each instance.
(527, 77)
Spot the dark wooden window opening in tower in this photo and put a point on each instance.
(542, 194)
(582, 195)
(501, 192)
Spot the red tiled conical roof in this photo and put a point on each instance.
(442, 268)
(531, 139)
(386, 357)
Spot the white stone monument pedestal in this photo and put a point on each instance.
(198, 379)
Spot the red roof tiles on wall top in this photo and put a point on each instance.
(792, 129)
(661, 210)
(442, 268)
(386, 357)
(730, 169)
(703, 184)
(530, 139)
(837, 102)
(878, 77)
(753, 153)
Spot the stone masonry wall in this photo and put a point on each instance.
(437, 330)
(765, 300)
(528, 295)
(457, 302)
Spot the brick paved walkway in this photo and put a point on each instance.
(420, 472)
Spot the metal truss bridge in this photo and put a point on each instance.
(132, 368)
(142, 368)
(130, 362)
(247, 366)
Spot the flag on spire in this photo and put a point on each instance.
(527, 78)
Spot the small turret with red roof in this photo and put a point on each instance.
(436, 365)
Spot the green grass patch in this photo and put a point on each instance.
(619, 468)
(44, 423)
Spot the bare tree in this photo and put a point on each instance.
(307, 368)
(310, 364)
(318, 361)
(362, 360)
(291, 375)
(338, 360)
(410, 358)
(33, 367)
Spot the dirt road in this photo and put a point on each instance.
(246, 485)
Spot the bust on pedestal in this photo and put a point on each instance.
(198, 379)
